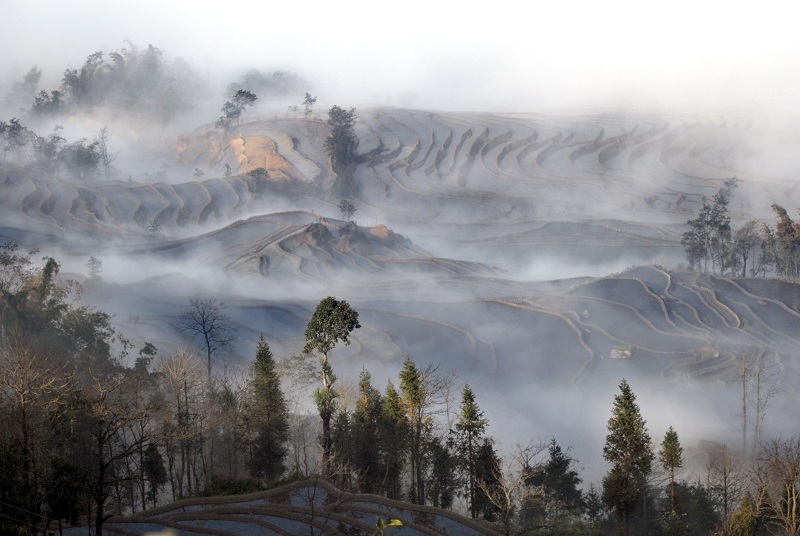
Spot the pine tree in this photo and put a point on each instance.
(394, 440)
(488, 475)
(413, 395)
(561, 497)
(468, 436)
(268, 416)
(366, 429)
(630, 454)
(442, 478)
(671, 456)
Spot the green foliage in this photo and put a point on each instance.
(630, 454)
(332, 321)
(709, 235)
(394, 438)
(442, 481)
(233, 108)
(488, 473)
(749, 519)
(413, 396)
(367, 458)
(468, 436)
(560, 500)
(380, 524)
(268, 416)
(340, 145)
(671, 456)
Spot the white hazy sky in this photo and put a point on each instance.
(493, 55)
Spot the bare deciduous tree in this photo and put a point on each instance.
(206, 319)
(726, 480)
(510, 489)
(778, 472)
(184, 388)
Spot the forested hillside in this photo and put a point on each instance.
(568, 323)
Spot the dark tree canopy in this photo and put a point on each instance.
(671, 457)
(268, 416)
(332, 321)
(468, 437)
(341, 143)
(629, 451)
(233, 108)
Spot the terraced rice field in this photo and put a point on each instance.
(532, 255)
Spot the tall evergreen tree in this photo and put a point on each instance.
(412, 388)
(671, 456)
(468, 436)
(442, 478)
(394, 440)
(268, 416)
(366, 429)
(630, 454)
(488, 475)
(561, 498)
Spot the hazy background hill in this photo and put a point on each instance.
(538, 256)
(521, 185)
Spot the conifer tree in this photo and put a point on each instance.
(469, 435)
(671, 456)
(268, 416)
(561, 497)
(366, 427)
(394, 439)
(630, 454)
(412, 390)
(488, 474)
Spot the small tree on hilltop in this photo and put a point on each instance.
(233, 109)
(347, 209)
(308, 104)
(340, 145)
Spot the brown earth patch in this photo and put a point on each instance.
(253, 152)
(380, 231)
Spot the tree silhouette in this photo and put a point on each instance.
(205, 319)
(630, 454)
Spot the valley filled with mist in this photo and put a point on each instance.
(540, 258)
